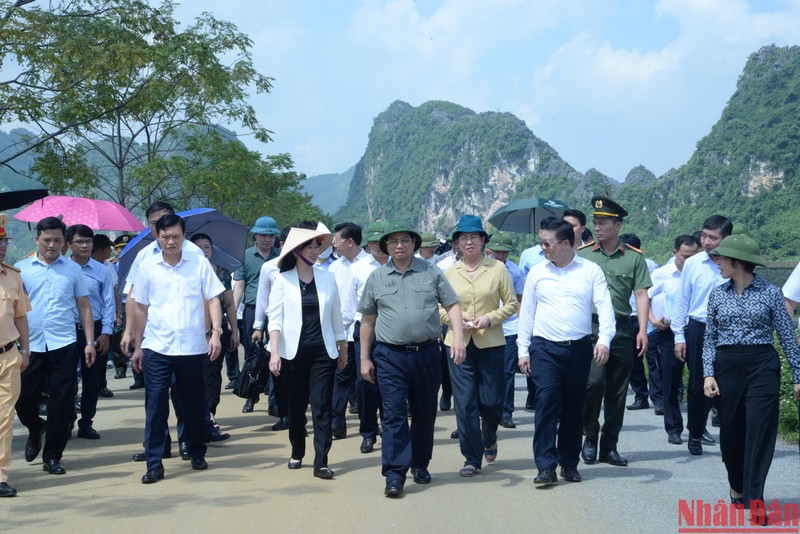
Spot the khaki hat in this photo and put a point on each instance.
(301, 236)
(429, 240)
(373, 233)
(739, 247)
(500, 242)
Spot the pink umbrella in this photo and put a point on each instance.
(96, 214)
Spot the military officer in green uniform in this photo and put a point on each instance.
(626, 272)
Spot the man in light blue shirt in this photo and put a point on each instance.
(700, 275)
(55, 286)
(100, 286)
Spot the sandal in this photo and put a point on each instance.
(468, 471)
(490, 454)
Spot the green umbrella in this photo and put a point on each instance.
(16, 191)
(525, 214)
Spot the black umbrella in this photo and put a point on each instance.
(525, 214)
(16, 191)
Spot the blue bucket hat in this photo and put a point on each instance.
(265, 226)
(469, 224)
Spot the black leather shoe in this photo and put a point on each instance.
(421, 476)
(120, 374)
(282, 424)
(571, 474)
(6, 490)
(215, 437)
(324, 473)
(508, 423)
(706, 439)
(353, 409)
(546, 476)
(106, 393)
(199, 463)
(589, 451)
(695, 446)
(638, 404)
(445, 404)
(248, 406)
(367, 445)
(454, 434)
(153, 475)
(658, 410)
(530, 405)
(34, 444)
(295, 464)
(136, 385)
(674, 439)
(612, 457)
(139, 457)
(230, 385)
(394, 488)
(53, 467)
(184, 448)
(87, 432)
(339, 433)
(77, 404)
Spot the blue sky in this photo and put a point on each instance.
(609, 84)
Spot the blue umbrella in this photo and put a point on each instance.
(229, 239)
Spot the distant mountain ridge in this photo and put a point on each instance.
(432, 163)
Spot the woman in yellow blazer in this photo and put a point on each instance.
(487, 298)
(306, 336)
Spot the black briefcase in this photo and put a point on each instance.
(254, 373)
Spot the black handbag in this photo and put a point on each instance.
(254, 373)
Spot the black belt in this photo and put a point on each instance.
(587, 339)
(413, 347)
(698, 323)
(622, 319)
(7, 347)
(250, 306)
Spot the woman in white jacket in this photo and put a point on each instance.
(306, 336)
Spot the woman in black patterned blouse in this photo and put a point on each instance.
(741, 365)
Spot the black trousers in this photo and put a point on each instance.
(59, 368)
(749, 379)
(212, 372)
(672, 378)
(309, 378)
(92, 378)
(368, 395)
(560, 374)
(343, 384)
(697, 404)
(447, 387)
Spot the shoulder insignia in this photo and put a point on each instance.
(633, 248)
(7, 266)
(589, 244)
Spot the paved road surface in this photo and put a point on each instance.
(249, 489)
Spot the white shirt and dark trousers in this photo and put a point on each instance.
(555, 329)
(175, 344)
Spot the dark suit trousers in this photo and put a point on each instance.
(672, 378)
(368, 394)
(91, 377)
(342, 385)
(212, 372)
(407, 379)
(309, 377)
(560, 374)
(478, 391)
(697, 404)
(59, 368)
(608, 388)
(189, 392)
(749, 378)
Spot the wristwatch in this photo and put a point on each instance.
(218, 330)
(91, 343)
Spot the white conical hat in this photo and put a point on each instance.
(300, 236)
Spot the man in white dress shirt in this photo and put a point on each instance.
(347, 244)
(555, 330)
(700, 275)
(666, 283)
(172, 291)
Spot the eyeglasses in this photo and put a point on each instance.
(337, 242)
(405, 241)
(551, 244)
(82, 242)
(4, 242)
